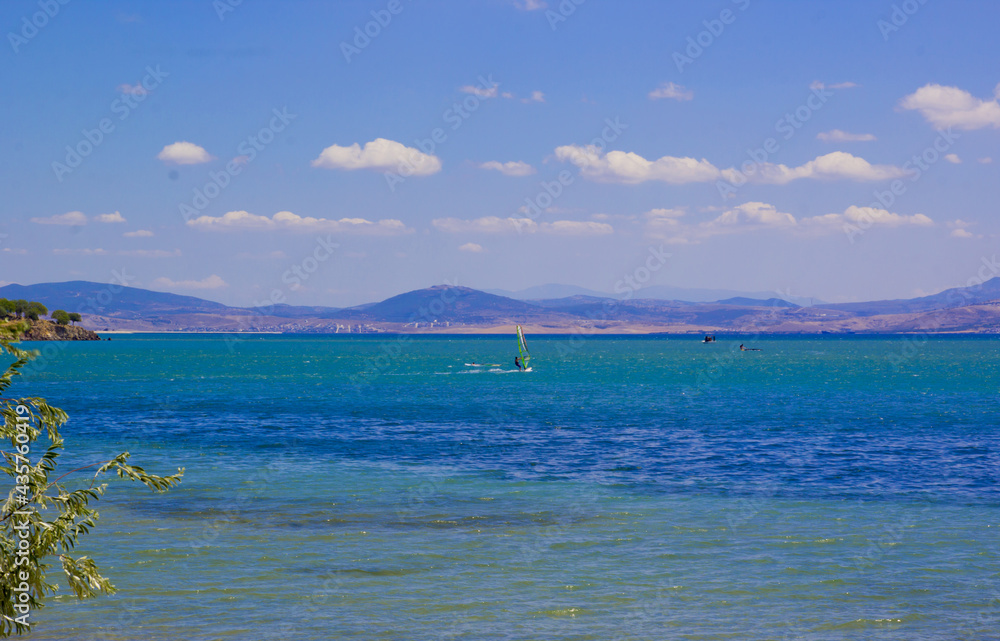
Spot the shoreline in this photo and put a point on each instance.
(546, 332)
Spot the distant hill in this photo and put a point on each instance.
(117, 300)
(445, 303)
(756, 302)
(654, 292)
(955, 297)
(87, 297)
(663, 292)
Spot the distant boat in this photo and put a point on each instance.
(709, 339)
(522, 349)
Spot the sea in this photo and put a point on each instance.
(653, 487)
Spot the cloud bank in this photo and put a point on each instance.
(945, 107)
(287, 221)
(378, 155)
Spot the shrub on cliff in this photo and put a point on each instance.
(60, 316)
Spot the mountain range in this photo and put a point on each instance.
(463, 310)
(657, 292)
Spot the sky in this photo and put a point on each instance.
(337, 153)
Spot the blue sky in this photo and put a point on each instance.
(758, 143)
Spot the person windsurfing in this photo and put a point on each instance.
(517, 363)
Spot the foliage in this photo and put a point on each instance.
(32, 309)
(49, 515)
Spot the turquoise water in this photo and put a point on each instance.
(627, 488)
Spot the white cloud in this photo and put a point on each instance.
(840, 85)
(512, 168)
(69, 218)
(836, 135)
(110, 218)
(286, 220)
(869, 216)
(482, 92)
(671, 91)
(753, 214)
(80, 252)
(149, 253)
(472, 248)
(833, 166)
(985, 160)
(959, 229)
(184, 153)
(945, 107)
(669, 224)
(953, 158)
(209, 282)
(139, 233)
(132, 90)
(536, 96)
(665, 213)
(485, 225)
(666, 224)
(497, 225)
(631, 168)
(530, 5)
(379, 155)
(576, 228)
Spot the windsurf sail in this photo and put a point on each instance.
(522, 348)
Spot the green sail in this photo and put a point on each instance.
(522, 348)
